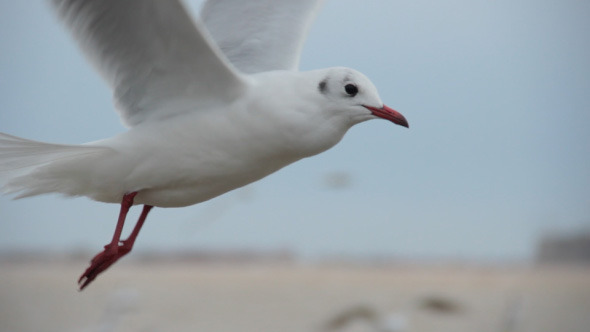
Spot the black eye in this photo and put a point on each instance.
(351, 89)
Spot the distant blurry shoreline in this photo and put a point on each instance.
(283, 257)
(251, 292)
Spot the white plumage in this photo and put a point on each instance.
(209, 110)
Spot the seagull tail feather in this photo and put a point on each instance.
(30, 168)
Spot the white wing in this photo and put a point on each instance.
(260, 35)
(156, 59)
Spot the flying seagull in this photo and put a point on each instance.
(212, 104)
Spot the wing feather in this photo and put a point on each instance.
(158, 61)
(260, 35)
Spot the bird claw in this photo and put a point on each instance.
(101, 262)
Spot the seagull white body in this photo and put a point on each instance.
(211, 108)
(189, 158)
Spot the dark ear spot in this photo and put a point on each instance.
(323, 86)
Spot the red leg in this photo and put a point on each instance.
(113, 251)
(127, 244)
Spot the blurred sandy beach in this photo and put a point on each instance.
(273, 296)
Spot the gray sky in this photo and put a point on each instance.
(498, 152)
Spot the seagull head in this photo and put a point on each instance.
(352, 94)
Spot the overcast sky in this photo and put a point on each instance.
(497, 94)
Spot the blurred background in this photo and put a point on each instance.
(494, 169)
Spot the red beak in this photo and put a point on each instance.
(390, 114)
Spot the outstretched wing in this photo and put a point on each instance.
(158, 61)
(260, 35)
